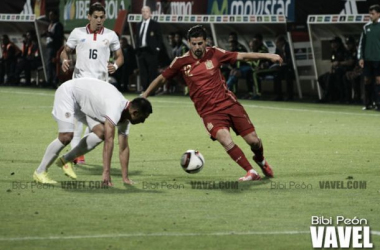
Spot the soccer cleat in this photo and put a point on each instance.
(43, 178)
(67, 167)
(250, 176)
(80, 160)
(265, 167)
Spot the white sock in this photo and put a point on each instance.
(51, 153)
(84, 146)
(77, 134)
(87, 131)
(253, 171)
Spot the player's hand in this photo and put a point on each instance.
(66, 65)
(276, 59)
(143, 95)
(107, 179)
(111, 68)
(361, 63)
(128, 181)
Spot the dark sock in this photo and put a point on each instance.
(368, 88)
(377, 94)
(259, 152)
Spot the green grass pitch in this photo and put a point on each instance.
(305, 143)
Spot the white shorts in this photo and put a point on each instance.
(66, 111)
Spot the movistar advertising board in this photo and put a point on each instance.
(74, 12)
(253, 7)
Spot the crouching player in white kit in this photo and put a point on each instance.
(93, 45)
(101, 107)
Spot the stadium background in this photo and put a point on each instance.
(73, 13)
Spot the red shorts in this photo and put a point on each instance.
(233, 117)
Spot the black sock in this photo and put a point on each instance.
(377, 94)
(368, 90)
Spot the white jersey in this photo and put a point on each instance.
(94, 98)
(93, 51)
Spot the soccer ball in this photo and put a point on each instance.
(192, 161)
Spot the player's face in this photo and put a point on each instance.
(374, 15)
(198, 46)
(97, 20)
(145, 12)
(137, 117)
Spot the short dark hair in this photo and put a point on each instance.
(197, 31)
(142, 105)
(96, 7)
(375, 7)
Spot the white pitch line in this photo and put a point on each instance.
(60, 237)
(26, 93)
(71, 237)
(245, 105)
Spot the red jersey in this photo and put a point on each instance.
(207, 86)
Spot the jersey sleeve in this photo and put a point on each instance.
(112, 112)
(123, 128)
(72, 41)
(115, 43)
(173, 69)
(224, 56)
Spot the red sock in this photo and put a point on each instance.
(238, 156)
(259, 153)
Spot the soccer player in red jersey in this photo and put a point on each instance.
(215, 104)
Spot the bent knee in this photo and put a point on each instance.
(99, 131)
(224, 137)
(65, 138)
(253, 140)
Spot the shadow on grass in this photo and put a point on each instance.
(94, 169)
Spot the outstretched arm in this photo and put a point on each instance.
(250, 56)
(158, 82)
(124, 152)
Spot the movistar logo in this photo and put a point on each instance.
(215, 10)
(253, 7)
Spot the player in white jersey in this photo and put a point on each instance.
(93, 44)
(102, 108)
